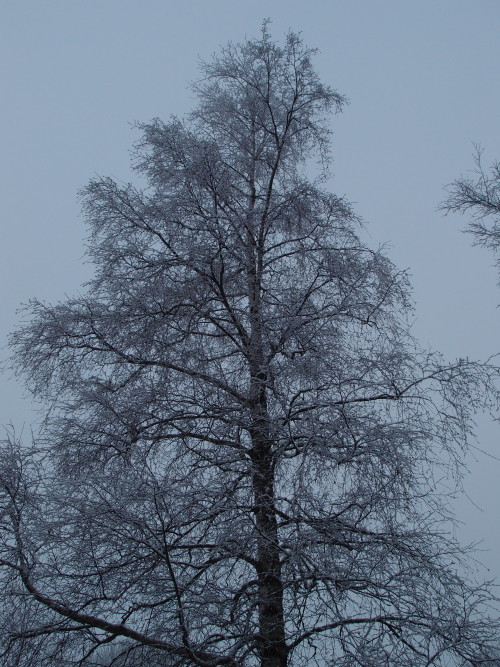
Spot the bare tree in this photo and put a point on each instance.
(479, 195)
(245, 450)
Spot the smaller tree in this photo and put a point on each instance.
(479, 195)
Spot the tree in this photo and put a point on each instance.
(481, 196)
(244, 452)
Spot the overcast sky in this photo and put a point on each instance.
(423, 82)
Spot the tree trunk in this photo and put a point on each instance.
(273, 649)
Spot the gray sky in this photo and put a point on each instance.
(424, 84)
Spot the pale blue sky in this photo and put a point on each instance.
(424, 84)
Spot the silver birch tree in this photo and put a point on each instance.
(243, 458)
